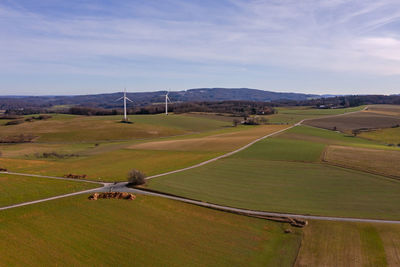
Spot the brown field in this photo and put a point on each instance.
(358, 120)
(364, 159)
(349, 244)
(221, 142)
(392, 110)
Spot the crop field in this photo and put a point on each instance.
(292, 115)
(352, 121)
(282, 186)
(70, 128)
(372, 160)
(349, 244)
(218, 142)
(387, 136)
(391, 110)
(17, 189)
(101, 167)
(147, 231)
(285, 174)
(304, 170)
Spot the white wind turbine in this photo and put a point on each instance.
(166, 103)
(124, 98)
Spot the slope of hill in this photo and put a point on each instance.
(145, 98)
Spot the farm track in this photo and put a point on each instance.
(122, 187)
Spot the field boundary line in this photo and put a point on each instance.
(246, 146)
(248, 212)
(54, 177)
(224, 155)
(48, 199)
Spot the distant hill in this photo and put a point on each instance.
(146, 98)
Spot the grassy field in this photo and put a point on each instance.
(387, 136)
(349, 244)
(292, 187)
(360, 120)
(372, 160)
(284, 174)
(219, 142)
(71, 128)
(292, 115)
(283, 149)
(110, 166)
(17, 189)
(148, 231)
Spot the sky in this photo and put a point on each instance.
(58, 47)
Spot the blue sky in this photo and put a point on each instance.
(79, 47)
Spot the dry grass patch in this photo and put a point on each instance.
(357, 120)
(220, 142)
(372, 160)
(349, 244)
(391, 110)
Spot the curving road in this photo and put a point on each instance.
(122, 187)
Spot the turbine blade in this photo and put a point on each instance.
(119, 99)
(129, 99)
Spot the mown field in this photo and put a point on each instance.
(349, 244)
(72, 128)
(148, 231)
(292, 115)
(387, 136)
(17, 189)
(374, 117)
(372, 160)
(285, 174)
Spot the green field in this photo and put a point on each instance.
(349, 244)
(284, 174)
(17, 189)
(292, 187)
(148, 231)
(72, 128)
(292, 115)
(387, 136)
(283, 149)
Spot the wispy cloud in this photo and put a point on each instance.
(341, 36)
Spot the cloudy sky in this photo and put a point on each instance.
(82, 46)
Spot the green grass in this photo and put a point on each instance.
(148, 231)
(71, 128)
(327, 243)
(283, 149)
(111, 166)
(317, 112)
(388, 136)
(17, 189)
(291, 115)
(287, 187)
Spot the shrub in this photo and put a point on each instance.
(136, 177)
(14, 122)
(235, 122)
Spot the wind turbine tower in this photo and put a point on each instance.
(124, 98)
(166, 103)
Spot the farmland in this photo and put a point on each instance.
(303, 170)
(285, 174)
(372, 160)
(146, 231)
(17, 189)
(349, 244)
(360, 120)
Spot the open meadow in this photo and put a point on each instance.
(349, 244)
(302, 170)
(16, 189)
(147, 231)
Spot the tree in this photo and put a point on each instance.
(136, 177)
(235, 122)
